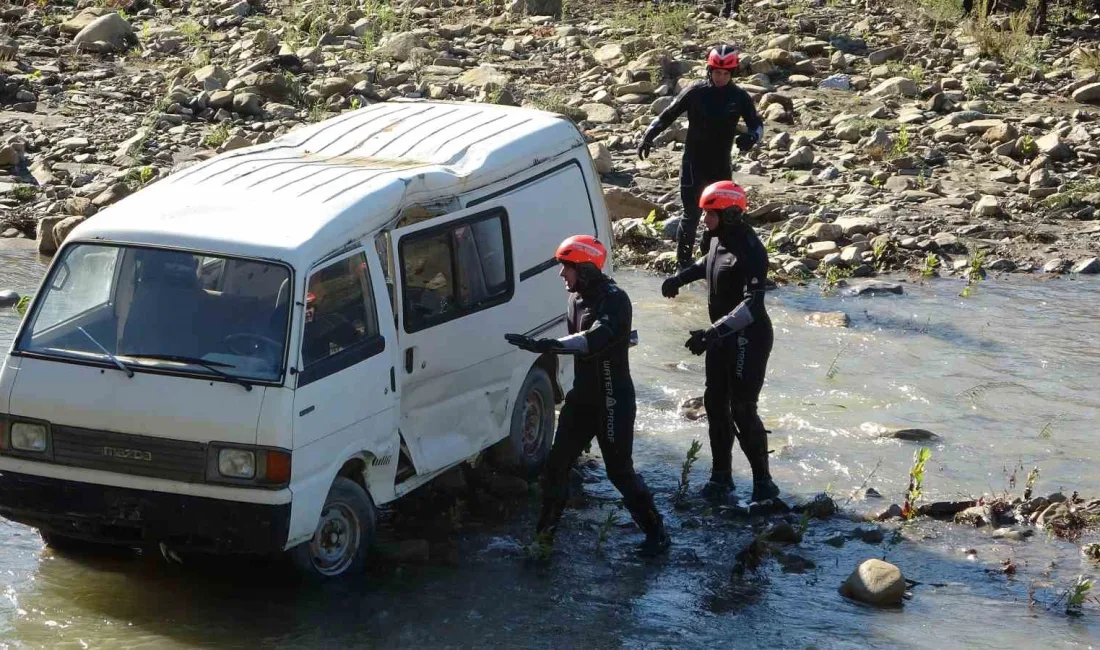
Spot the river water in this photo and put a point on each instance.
(1007, 377)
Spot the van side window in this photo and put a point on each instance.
(456, 269)
(339, 309)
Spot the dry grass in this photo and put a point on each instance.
(1008, 45)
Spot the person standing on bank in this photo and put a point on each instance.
(601, 402)
(738, 341)
(714, 107)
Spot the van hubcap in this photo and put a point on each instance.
(533, 410)
(336, 541)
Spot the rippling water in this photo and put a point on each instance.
(1007, 378)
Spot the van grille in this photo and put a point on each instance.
(175, 460)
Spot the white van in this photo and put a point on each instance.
(253, 353)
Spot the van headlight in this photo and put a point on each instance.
(28, 436)
(237, 463)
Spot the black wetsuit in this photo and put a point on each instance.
(736, 269)
(713, 114)
(600, 404)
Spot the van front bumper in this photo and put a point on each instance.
(130, 517)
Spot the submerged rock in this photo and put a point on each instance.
(911, 435)
(873, 288)
(8, 297)
(828, 319)
(875, 582)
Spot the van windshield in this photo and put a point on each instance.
(165, 310)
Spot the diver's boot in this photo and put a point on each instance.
(718, 489)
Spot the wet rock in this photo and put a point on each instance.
(1002, 264)
(1089, 266)
(792, 563)
(896, 86)
(873, 288)
(892, 512)
(109, 29)
(1012, 534)
(872, 535)
(782, 533)
(976, 516)
(8, 297)
(875, 582)
(829, 319)
(944, 509)
(693, 409)
(601, 156)
(621, 204)
(1091, 551)
(912, 435)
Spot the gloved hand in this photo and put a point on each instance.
(698, 341)
(540, 346)
(670, 287)
(745, 141)
(644, 148)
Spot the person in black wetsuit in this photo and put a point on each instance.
(601, 402)
(738, 342)
(714, 107)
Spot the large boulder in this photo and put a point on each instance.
(896, 86)
(857, 225)
(875, 582)
(621, 204)
(483, 76)
(109, 32)
(1088, 94)
(62, 228)
(89, 15)
(601, 113)
(47, 245)
(601, 156)
(399, 47)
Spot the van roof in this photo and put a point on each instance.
(313, 190)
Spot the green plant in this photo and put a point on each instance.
(832, 370)
(804, 523)
(23, 192)
(317, 112)
(1008, 45)
(356, 103)
(541, 547)
(192, 31)
(664, 20)
(1029, 485)
(217, 136)
(931, 265)
(884, 251)
(916, 483)
(1089, 59)
(685, 470)
(974, 272)
(137, 178)
(833, 276)
(605, 531)
(22, 305)
(772, 245)
(1091, 551)
(1077, 594)
(901, 143)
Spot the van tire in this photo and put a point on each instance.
(531, 433)
(349, 521)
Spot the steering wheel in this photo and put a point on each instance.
(247, 344)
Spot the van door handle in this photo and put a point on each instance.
(393, 380)
(409, 360)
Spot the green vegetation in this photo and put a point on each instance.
(916, 483)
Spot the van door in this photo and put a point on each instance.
(456, 280)
(345, 384)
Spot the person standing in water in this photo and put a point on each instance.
(601, 402)
(737, 343)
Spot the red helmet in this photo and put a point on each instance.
(579, 249)
(723, 57)
(723, 195)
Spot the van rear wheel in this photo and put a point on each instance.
(345, 533)
(527, 446)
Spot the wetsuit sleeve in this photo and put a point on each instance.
(611, 324)
(753, 123)
(696, 271)
(669, 115)
(753, 260)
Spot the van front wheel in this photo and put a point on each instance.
(345, 532)
(525, 449)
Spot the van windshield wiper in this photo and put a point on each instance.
(212, 366)
(115, 360)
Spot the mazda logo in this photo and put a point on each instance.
(131, 454)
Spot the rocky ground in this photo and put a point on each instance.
(898, 136)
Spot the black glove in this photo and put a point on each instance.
(670, 287)
(698, 341)
(643, 148)
(745, 141)
(540, 346)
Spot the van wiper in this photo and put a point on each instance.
(212, 366)
(115, 360)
